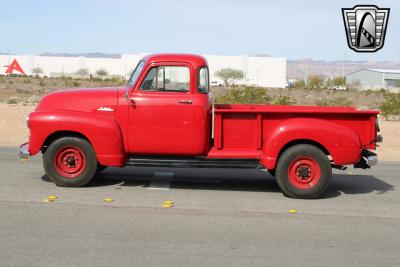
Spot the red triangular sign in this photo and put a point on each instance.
(14, 66)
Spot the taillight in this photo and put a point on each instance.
(377, 125)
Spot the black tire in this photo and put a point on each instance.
(52, 168)
(298, 186)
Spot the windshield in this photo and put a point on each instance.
(136, 73)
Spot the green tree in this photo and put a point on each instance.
(315, 81)
(37, 71)
(229, 76)
(102, 72)
(339, 81)
(83, 72)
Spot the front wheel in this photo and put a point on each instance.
(70, 162)
(303, 171)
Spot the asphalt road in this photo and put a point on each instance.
(220, 218)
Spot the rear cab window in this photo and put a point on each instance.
(203, 80)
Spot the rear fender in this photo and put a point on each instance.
(101, 131)
(342, 143)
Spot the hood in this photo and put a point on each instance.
(84, 99)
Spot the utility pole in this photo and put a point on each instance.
(306, 78)
(9, 56)
(344, 56)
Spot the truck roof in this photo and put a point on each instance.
(194, 60)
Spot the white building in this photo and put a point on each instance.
(259, 71)
(375, 79)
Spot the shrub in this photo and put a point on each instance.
(13, 100)
(76, 84)
(248, 95)
(96, 79)
(33, 99)
(367, 92)
(42, 83)
(67, 81)
(300, 84)
(284, 100)
(321, 102)
(391, 105)
(340, 102)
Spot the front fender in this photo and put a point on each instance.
(102, 132)
(342, 143)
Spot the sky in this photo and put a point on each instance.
(291, 29)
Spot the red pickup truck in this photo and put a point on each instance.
(164, 116)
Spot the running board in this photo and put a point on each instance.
(192, 162)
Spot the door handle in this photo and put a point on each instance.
(132, 101)
(185, 101)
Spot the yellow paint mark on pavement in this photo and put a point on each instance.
(168, 204)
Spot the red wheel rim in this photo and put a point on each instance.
(304, 172)
(70, 161)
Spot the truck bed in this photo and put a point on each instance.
(240, 131)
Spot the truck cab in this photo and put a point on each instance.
(165, 116)
(169, 106)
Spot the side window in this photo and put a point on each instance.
(167, 79)
(203, 81)
(149, 83)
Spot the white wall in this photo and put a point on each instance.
(261, 71)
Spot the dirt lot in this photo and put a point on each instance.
(13, 131)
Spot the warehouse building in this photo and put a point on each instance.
(375, 79)
(262, 71)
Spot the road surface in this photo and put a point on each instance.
(220, 218)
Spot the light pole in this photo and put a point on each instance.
(257, 76)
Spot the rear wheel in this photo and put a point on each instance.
(303, 171)
(70, 162)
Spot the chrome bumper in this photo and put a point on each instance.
(24, 151)
(368, 159)
(372, 160)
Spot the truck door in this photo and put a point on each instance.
(161, 113)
